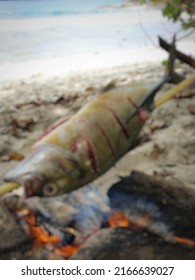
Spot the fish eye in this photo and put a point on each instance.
(50, 190)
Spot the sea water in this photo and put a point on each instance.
(44, 8)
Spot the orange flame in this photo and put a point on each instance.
(67, 251)
(40, 235)
(118, 219)
(184, 240)
(123, 220)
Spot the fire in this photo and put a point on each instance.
(123, 220)
(40, 235)
(118, 219)
(184, 240)
(67, 251)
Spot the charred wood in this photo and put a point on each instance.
(13, 239)
(176, 200)
(127, 244)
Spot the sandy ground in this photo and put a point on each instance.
(167, 147)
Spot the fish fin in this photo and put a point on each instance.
(169, 76)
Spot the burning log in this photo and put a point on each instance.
(54, 227)
(173, 200)
(165, 209)
(12, 236)
(139, 217)
(121, 243)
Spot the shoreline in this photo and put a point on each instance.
(121, 17)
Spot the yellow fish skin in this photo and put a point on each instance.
(79, 150)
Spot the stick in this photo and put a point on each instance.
(181, 56)
(175, 90)
(171, 62)
(8, 187)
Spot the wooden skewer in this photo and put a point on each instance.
(8, 187)
(175, 90)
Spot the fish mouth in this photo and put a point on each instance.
(33, 187)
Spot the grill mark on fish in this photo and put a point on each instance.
(91, 154)
(50, 129)
(74, 147)
(123, 127)
(133, 103)
(108, 140)
(142, 114)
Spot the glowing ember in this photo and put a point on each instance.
(183, 240)
(123, 220)
(40, 235)
(67, 251)
(119, 219)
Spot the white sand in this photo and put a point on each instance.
(51, 67)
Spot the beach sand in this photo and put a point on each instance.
(29, 105)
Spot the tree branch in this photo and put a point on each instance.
(181, 56)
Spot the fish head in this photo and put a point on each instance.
(47, 171)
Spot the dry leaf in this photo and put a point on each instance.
(191, 109)
(16, 156)
(24, 124)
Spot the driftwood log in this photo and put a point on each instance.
(170, 206)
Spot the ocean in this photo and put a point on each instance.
(46, 8)
(58, 35)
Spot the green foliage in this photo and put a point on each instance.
(178, 10)
(172, 12)
(164, 62)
